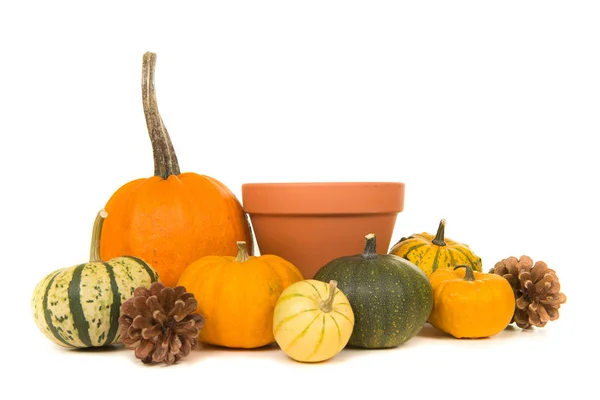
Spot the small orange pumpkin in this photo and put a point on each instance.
(237, 296)
(470, 304)
(172, 218)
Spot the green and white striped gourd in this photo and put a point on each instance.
(79, 306)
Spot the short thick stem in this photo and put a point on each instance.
(96, 234)
(370, 251)
(439, 236)
(242, 254)
(469, 276)
(327, 304)
(165, 160)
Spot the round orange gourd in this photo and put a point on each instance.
(237, 296)
(172, 218)
(470, 304)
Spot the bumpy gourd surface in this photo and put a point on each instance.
(80, 306)
(391, 298)
(429, 257)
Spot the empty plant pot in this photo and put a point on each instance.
(310, 224)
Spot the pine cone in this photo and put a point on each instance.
(160, 324)
(536, 288)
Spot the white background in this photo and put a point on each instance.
(486, 110)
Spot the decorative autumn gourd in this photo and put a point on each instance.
(468, 304)
(391, 297)
(237, 296)
(313, 320)
(79, 306)
(430, 252)
(172, 218)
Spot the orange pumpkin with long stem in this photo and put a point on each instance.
(172, 218)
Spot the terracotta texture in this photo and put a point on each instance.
(310, 224)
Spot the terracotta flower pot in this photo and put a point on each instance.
(310, 224)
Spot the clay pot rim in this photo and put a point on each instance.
(323, 198)
(307, 184)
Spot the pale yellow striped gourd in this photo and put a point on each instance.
(313, 320)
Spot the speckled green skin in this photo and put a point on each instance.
(391, 297)
(79, 306)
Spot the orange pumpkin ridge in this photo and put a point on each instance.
(237, 296)
(172, 218)
(470, 304)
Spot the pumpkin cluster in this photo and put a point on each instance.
(172, 264)
(467, 303)
(185, 231)
(155, 228)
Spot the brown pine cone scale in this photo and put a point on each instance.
(536, 288)
(160, 323)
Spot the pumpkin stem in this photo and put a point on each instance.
(439, 237)
(327, 304)
(370, 251)
(242, 254)
(96, 233)
(469, 276)
(165, 160)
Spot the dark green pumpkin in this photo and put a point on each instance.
(390, 296)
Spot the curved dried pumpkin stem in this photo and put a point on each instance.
(165, 159)
(469, 276)
(439, 236)
(242, 254)
(96, 233)
(327, 304)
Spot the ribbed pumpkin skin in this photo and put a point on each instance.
(171, 219)
(391, 297)
(172, 222)
(303, 330)
(470, 309)
(421, 250)
(237, 299)
(79, 306)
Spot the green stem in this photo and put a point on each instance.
(165, 159)
(96, 233)
(469, 276)
(327, 304)
(370, 251)
(242, 254)
(439, 237)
